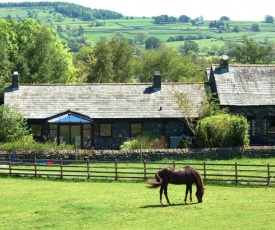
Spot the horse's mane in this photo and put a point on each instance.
(198, 178)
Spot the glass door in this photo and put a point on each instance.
(76, 135)
(64, 136)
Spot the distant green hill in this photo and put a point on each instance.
(66, 9)
(72, 20)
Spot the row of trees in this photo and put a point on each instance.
(69, 9)
(113, 61)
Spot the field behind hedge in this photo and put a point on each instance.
(65, 204)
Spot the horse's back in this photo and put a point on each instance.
(177, 175)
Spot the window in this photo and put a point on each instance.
(71, 128)
(271, 126)
(53, 132)
(136, 130)
(86, 135)
(251, 122)
(105, 130)
(36, 130)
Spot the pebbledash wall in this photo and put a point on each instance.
(149, 155)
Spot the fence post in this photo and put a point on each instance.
(10, 163)
(35, 167)
(88, 168)
(204, 170)
(61, 168)
(268, 174)
(116, 173)
(174, 164)
(236, 172)
(144, 169)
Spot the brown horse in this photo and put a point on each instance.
(186, 175)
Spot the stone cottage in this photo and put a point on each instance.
(248, 90)
(102, 116)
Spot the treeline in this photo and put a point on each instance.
(165, 19)
(219, 25)
(69, 9)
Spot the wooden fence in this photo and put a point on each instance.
(238, 173)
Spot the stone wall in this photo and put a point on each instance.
(149, 155)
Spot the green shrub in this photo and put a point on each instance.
(223, 130)
(13, 126)
(147, 141)
(28, 144)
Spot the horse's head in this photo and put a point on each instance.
(199, 195)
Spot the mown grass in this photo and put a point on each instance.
(56, 204)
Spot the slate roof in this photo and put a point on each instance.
(102, 100)
(245, 85)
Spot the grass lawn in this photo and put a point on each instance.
(56, 204)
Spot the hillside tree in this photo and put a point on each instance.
(269, 19)
(152, 43)
(251, 52)
(112, 61)
(173, 66)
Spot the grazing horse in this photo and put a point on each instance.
(186, 175)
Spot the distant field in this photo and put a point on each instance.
(130, 27)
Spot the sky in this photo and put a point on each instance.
(236, 10)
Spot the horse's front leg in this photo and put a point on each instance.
(190, 189)
(186, 193)
(160, 194)
(166, 193)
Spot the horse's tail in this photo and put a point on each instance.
(155, 184)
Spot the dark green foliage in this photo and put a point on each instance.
(223, 130)
(255, 27)
(69, 10)
(112, 61)
(189, 47)
(35, 51)
(163, 19)
(269, 19)
(224, 18)
(251, 52)
(173, 66)
(152, 43)
(184, 19)
(13, 126)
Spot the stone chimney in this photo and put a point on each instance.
(157, 80)
(224, 63)
(15, 80)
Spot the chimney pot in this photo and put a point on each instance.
(224, 63)
(157, 80)
(15, 80)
